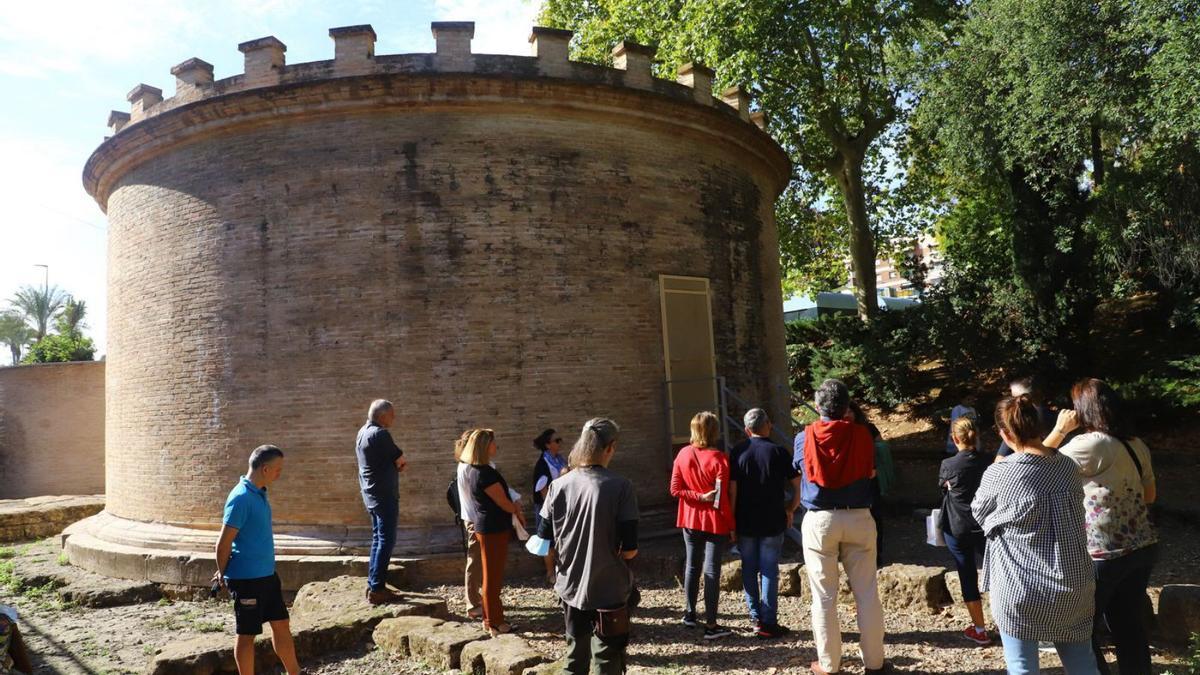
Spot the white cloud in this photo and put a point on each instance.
(43, 38)
(501, 26)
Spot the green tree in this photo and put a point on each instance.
(14, 333)
(832, 77)
(60, 348)
(39, 305)
(1047, 138)
(69, 320)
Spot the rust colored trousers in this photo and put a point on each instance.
(493, 549)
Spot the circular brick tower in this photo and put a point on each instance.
(485, 240)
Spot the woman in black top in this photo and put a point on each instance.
(550, 465)
(493, 516)
(959, 478)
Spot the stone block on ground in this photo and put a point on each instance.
(552, 668)
(501, 655)
(199, 656)
(346, 595)
(441, 646)
(913, 586)
(391, 635)
(1179, 612)
(792, 580)
(41, 517)
(731, 575)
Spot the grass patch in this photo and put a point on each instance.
(63, 560)
(7, 552)
(208, 626)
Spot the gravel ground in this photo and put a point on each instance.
(917, 642)
(71, 640)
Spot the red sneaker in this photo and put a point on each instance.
(979, 637)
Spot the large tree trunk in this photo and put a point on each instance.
(862, 240)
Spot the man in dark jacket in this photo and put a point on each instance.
(379, 465)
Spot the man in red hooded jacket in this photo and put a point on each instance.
(836, 459)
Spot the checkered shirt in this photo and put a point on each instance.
(1036, 565)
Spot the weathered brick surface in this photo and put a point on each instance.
(52, 430)
(484, 251)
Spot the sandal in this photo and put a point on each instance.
(500, 630)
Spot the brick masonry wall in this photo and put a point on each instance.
(52, 430)
(480, 265)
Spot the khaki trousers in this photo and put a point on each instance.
(846, 536)
(473, 575)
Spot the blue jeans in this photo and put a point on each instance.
(383, 539)
(966, 550)
(1021, 656)
(760, 576)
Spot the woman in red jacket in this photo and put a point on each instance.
(700, 481)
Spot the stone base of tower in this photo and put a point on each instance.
(179, 556)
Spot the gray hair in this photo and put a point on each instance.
(832, 399)
(756, 419)
(378, 407)
(598, 433)
(263, 455)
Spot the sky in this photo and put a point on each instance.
(64, 65)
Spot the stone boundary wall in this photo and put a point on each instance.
(52, 430)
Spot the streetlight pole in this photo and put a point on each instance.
(46, 286)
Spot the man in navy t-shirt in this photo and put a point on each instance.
(246, 563)
(759, 473)
(379, 465)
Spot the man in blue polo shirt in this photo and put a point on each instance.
(246, 563)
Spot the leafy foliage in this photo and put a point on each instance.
(60, 348)
(876, 360)
(14, 333)
(1064, 174)
(831, 77)
(39, 305)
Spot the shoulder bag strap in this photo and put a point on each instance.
(1133, 456)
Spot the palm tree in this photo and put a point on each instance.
(15, 333)
(39, 305)
(70, 318)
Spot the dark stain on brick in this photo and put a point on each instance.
(729, 218)
(409, 150)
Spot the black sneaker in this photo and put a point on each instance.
(772, 632)
(716, 632)
(689, 621)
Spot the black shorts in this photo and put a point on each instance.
(256, 601)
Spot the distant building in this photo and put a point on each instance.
(804, 307)
(890, 284)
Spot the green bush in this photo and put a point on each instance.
(61, 348)
(876, 361)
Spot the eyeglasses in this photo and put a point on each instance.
(558, 440)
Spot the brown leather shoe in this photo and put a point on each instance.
(381, 597)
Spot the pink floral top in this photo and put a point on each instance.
(1114, 505)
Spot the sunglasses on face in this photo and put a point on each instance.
(558, 440)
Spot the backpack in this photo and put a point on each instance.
(452, 497)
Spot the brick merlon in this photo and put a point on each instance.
(269, 41)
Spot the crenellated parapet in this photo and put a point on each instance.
(354, 56)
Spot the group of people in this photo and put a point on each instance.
(751, 496)
(1060, 521)
(1060, 516)
(587, 518)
